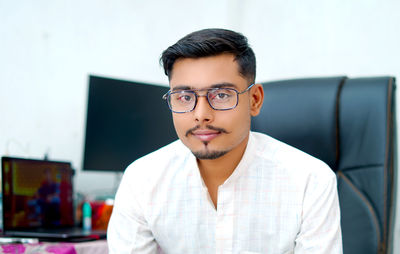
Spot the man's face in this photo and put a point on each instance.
(210, 133)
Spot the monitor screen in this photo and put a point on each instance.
(36, 193)
(125, 120)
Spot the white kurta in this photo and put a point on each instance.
(277, 200)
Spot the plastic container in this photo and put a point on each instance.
(86, 216)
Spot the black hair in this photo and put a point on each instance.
(211, 42)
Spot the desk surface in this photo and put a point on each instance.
(92, 247)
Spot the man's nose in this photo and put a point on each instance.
(203, 111)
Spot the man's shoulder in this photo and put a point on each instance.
(156, 171)
(288, 158)
(159, 160)
(164, 154)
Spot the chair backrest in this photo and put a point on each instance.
(349, 124)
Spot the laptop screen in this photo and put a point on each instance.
(36, 194)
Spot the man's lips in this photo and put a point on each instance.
(205, 135)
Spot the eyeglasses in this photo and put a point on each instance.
(219, 99)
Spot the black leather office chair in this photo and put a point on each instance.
(349, 124)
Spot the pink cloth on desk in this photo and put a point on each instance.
(51, 248)
(99, 247)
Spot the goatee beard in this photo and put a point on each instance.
(209, 155)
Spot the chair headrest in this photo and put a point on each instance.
(303, 113)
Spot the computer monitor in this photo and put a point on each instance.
(125, 120)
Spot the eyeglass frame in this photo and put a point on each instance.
(194, 91)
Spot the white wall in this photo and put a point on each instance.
(48, 48)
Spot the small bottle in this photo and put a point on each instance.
(87, 216)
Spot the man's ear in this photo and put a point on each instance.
(256, 99)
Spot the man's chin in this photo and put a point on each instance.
(209, 155)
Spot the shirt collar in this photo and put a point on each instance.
(241, 168)
(245, 162)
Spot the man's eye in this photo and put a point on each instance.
(222, 96)
(185, 98)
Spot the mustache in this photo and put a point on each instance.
(210, 127)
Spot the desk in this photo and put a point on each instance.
(91, 247)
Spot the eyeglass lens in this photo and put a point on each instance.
(221, 98)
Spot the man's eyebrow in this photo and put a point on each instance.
(218, 85)
(223, 84)
(182, 87)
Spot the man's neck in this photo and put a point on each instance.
(216, 171)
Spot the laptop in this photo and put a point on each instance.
(38, 201)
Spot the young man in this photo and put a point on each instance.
(221, 188)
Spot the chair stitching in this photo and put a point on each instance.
(366, 201)
(386, 171)
(337, 120)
